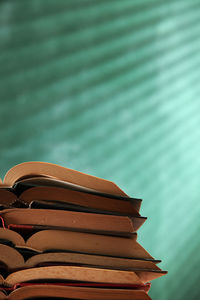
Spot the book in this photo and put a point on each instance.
(12, 260)
(46, 240)
(32, 191)
(68, 219)
(58, 291)
(125, 206)
(72, 273)
(71, 177)
(36, 186)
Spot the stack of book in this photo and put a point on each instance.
(69, 235)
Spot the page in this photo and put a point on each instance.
(88, 243)
(12, 236)
(74, 273)
(11, 257)
(61, 173)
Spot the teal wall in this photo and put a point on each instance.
(111, 88)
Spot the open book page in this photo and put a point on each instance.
(30, 169)
(74, 273)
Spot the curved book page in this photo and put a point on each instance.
(11, 258)
(87, 243)
(73, 273)
(29, 169)
(12, 236)
(86, 259)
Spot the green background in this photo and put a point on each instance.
(111, 88)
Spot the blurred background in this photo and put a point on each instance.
(111, 88)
